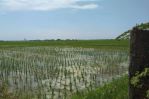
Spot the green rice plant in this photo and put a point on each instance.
(52, 71)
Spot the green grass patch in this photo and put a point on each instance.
(117, 89)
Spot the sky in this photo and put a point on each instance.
(69, 19)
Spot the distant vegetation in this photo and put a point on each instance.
(126, 35)
(102, 44)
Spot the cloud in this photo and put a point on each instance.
(87, 6)
(46, 5)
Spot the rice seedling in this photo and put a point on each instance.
(58, 72)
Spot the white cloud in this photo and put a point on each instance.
(87, 6)
(46, 5)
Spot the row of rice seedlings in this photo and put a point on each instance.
(54, 72)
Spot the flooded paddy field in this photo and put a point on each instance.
(58, 72)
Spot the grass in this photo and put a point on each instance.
(105, 44)
(117, 89)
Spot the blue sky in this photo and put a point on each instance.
(69, 19)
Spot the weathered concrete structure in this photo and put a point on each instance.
(139, 60)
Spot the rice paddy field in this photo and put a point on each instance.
(57, 72)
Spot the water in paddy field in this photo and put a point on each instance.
(58, 72)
